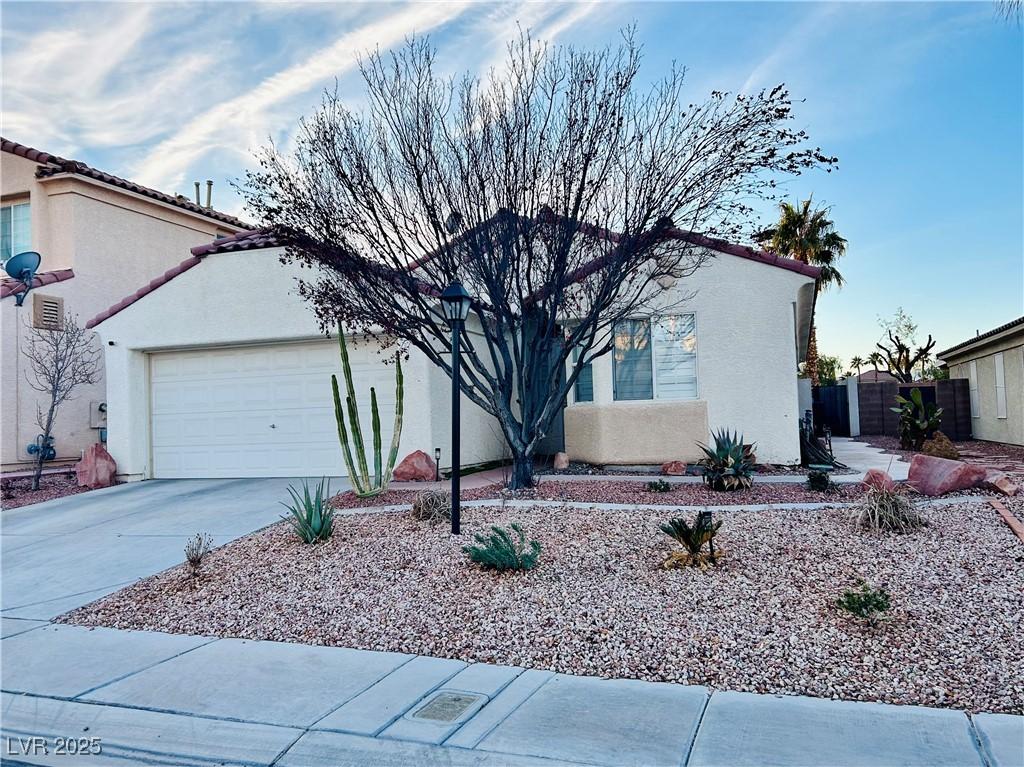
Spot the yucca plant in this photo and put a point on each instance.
(363, 484)
(499, 551)
(312, 517)
(729, 465)
(693, 538)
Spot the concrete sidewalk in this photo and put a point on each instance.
(181, 700)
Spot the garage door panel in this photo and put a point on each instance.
(212, 410)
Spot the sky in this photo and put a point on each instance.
(923, 104)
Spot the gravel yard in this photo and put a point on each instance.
(622, 491)
(17, 491)
(599, 602)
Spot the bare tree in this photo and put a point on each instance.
(902, 358)
(557, 189)
(61, 359)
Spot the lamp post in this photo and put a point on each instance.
(455, 303)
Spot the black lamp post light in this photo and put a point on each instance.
(455, 302)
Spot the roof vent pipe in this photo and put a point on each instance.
(197, 193)
(209, 193)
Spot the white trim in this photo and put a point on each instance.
(1000, 385)
(972, 376)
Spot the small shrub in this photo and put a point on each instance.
(499, 551)
(865, 602)
(940, 446)
(432, 506)
(820, 482)
(312, 518)
(918, 419)
(693, 538)
(659, 486)
(729, 465)
(886, 510)
(196, 550)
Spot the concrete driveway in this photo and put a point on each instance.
(70, 551)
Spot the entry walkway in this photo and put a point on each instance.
(151, 698)
(860, 456)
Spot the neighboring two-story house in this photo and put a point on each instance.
(100, 237)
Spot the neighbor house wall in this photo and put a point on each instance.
(746, 374)
(987, 425)
(115, 241)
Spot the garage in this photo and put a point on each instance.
(257, 411)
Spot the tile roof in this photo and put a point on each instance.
(51, 165)
(10, 286)
(981, 337)
(248, 240)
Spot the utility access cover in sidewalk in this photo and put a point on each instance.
(447, 706)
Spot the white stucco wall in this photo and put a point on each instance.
(116, 242)
(244, 298)
(746, 367)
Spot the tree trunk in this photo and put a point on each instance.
(522, 472)
(811, 363)
(41, 455)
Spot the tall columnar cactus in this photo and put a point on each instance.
(363, 484)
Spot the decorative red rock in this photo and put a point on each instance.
(416, 467)
(673, 468)
(97, 468)
(879, 480)
(998, 481)
(935, 476)
(561, 461)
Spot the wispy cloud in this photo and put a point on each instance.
(235, 125)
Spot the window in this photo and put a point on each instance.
(583, 390)
(15, 230)
(972, 375)
(655, 359)
(1000, 387)
(47, 312)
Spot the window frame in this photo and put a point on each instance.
(1000, 384)
(11, 206)
(651, 320)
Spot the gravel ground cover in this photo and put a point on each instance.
(1015, 453)
(17, 491)
(599, 602)
(619, 491)
(767, 469)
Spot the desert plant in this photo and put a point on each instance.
(865, 602)
(312, 517)
(729, 465)
(940, 446)
(819, 481)
(432, 506)
(886, 510)
(196, 549)
(358, 471)
(659, 486)
(499, 551)
(918, 419)
(693, 538)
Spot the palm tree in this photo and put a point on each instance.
(876, 359)
(811, 237)
(857, 363)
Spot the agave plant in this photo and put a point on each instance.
(918, 419)
(693, 538)
(312, 518)
(501, 552)
(729, 465)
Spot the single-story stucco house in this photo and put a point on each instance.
(218, 369)
(993, 362)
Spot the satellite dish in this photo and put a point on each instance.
(23, 268)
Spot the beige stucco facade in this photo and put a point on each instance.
(249, 298)
(751, 325)
(987, 423)
(116, 241)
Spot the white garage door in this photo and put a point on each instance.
(259, 411)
